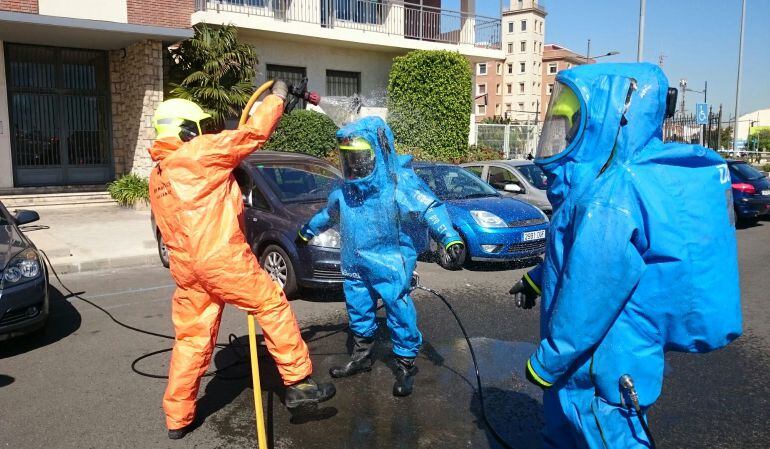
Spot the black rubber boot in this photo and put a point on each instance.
(178, 434)
(405, 372)
(360, 361)
(308, 393)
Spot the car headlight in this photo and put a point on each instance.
(330, 238)
(23, 267)
(488, 219)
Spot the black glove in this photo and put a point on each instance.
(524, 295)
(456, 253)
(280, 89)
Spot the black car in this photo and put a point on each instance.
(281, 192)
(751, 191)
(23, 277)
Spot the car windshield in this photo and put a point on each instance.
(745, 171)
(299, 183)
(454, 183)
(534, 175)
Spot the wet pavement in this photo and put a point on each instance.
(73, 387)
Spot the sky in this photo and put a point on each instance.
(698, 38)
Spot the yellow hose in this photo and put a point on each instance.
(261, 435)
(254, 97)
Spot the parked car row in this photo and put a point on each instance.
(282, 191)
(751, 191)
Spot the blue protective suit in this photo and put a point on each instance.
(641, 259)
(378, 254)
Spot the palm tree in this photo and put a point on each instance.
(214, 70)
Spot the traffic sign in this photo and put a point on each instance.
(702, 113)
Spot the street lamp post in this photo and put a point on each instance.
(738, 83)
(640, 42)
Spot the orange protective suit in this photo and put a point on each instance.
(198, 207)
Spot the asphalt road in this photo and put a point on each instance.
(73, 387)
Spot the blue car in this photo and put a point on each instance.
(495, 228)
(751, 191)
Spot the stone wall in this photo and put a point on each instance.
(136, 76)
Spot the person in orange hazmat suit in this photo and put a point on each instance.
(198, 208)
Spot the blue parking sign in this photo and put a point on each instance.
(702, 113)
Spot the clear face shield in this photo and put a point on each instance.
(357, 158)
(562, 122)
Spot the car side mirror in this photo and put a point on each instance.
(26, 216)
(515, 188)
(247, 199)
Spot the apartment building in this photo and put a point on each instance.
(79, 80)
(555, 59)
(488, 90)
(523, 34)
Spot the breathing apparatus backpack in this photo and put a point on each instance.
(692, 263)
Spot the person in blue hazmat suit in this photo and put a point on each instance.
(377, 206)
(641, 257)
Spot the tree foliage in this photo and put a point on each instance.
(214, 70)
(429, 102)
(304, 131)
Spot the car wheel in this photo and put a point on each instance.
(446, 263)
(162, 250)
(276, 262)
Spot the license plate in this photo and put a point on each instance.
(766, 193)
(533, 235)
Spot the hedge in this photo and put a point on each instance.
(304, 131)
(429, 102)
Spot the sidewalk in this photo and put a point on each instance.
(94, 238)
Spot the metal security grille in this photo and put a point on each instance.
(342, 84)
(60, 121)
(289, 74)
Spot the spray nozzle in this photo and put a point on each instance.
(300, 92)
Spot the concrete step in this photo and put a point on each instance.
(66, 199)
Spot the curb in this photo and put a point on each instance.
(63, 266)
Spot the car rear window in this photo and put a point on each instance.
(299, 183)
(745, 171)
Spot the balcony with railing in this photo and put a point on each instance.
(378, 22)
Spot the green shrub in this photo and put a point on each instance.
(429, 102)
(304, 131)
(129, 189)
(765, 168)
(472, 153)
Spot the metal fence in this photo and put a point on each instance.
(412, 21)
(514, 141)
(684, 128)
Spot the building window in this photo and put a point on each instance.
(521, 89)
(521, 107)
(510, 88)
(510, 27)
(342, 84)
(523, 26)
(523, 46)
(289, 74)
(481, 89)
(499, 90)
(534, 66)
(481, 109)
(499, 68)
(510, 69)
(481, 68)
(522, 67)
(507, 107)
(497, 109)
(552, 69)
(549, 90)
(510, 47)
